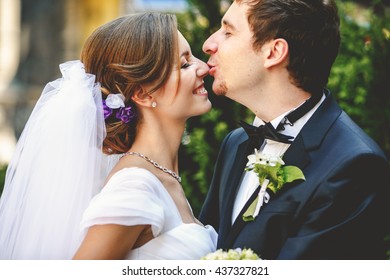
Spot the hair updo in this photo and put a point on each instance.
(123, 55)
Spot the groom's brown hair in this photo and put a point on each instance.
(311, 29)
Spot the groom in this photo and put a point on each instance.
(274, 57)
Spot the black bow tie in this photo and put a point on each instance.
(266, 131)
(258, 134)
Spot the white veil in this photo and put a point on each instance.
(57, 167)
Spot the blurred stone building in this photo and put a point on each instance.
(35, 37)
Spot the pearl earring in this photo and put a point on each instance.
(154, 104)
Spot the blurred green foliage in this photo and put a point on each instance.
(359, 77)
(3, 169)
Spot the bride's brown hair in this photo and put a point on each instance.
(123, 55)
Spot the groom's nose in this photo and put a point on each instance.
(210, 46)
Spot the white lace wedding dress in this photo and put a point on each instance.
(134, 196)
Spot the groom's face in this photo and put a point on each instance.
(234, 64)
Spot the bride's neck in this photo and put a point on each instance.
(160, 143)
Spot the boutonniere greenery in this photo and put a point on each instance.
(273, 175)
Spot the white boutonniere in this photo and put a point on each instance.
(273, 174)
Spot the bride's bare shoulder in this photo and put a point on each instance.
(125, 163)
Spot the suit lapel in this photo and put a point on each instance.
(313, 133)
(296, 154)
(234, 178)
(239, 223)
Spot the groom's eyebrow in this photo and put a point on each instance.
(228, 25)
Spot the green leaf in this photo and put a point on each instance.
(292, 173)
(248, 215)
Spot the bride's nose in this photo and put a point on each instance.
(202, 69)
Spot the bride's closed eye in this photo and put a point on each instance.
(185, 65)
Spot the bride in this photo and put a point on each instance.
(130, 97)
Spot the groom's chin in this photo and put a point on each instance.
(219, 89)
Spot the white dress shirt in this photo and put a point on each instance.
(249, 180)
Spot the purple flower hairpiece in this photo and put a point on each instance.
(125, 114)
(115, 102)
(107, 110)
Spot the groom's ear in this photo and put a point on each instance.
(275, 52)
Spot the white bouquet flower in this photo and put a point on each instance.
(232, 254)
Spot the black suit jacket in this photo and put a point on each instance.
(339, 212)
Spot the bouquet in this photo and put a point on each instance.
(232, 254)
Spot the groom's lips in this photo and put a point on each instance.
(212, 68)
(212, 71)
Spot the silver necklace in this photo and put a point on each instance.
(155, 164)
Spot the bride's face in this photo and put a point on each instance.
(184, 95)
